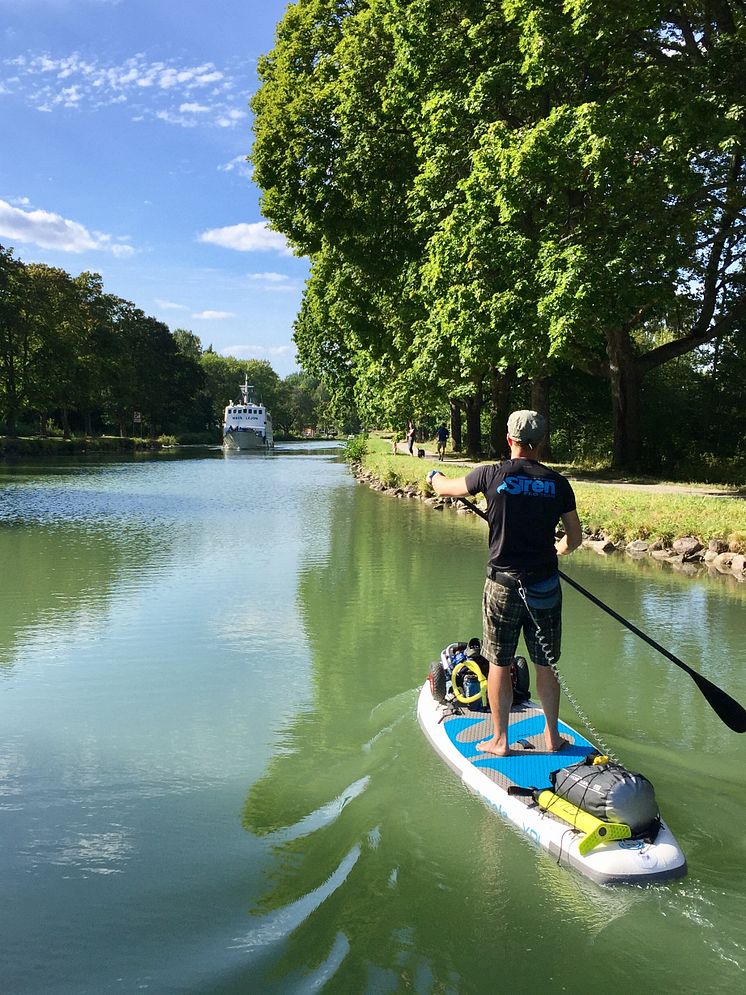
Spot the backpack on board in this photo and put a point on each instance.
(460, 677)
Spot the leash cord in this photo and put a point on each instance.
(549, 656)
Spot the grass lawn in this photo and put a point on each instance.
(622, 513)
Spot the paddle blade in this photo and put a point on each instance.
(729, 710)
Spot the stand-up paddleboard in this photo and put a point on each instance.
(520, 789)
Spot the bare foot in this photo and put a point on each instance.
(556, 746)
(495, 747)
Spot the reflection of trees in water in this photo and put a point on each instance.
(386, 876)
(61, 576)
(403, 837)
(624, 684)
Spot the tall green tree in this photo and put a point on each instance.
(638, 165)
(188, 343)
(58, 318)
(18, 341)
(565, 179)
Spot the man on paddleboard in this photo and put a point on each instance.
(525, 501)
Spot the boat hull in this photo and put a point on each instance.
(245, 440)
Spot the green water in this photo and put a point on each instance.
(211, 774)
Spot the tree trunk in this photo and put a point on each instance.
(500, 388)
(540, 403)
(455, 425)
(625, 399)
(88, 425)
(65, 423)
(11, 403)
(473, 425)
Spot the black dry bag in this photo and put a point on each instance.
(611, 793)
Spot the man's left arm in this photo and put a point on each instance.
(573, 536)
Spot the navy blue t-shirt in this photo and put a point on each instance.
(525, 500)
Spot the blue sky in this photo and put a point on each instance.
(125, 130)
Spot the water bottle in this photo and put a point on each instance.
(471, 686)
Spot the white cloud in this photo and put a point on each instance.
(162, 89)
(52, 231)
(214, 315)
(240, 164)
(119, 250)
(231, 118)
(273, 282)
(170, 118)
(258, 351)
(170, 306)
(256, 237)
(269, 277)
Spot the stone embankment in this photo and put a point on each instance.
(686, 555)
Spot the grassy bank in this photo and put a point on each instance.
(53, 447)
(620, 514)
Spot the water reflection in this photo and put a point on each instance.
(353, 776)
(209, 726)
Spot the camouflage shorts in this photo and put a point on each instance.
(504, 617)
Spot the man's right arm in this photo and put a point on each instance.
(448, 486)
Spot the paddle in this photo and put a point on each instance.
(726, 708)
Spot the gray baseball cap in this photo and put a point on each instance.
(528, 427)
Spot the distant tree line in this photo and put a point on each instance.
(75, 358)
(518, 203)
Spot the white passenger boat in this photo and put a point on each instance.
(247, 424)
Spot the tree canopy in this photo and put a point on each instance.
(494, 193)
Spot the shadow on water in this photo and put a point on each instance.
(387, 875)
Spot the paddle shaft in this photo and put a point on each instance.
(728, 709)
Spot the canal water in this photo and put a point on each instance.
(211, 774)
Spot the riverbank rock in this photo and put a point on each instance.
(724, 562)
(738, 566)
(661, 554)
(603, 546)
(687, 546)
(638, 547)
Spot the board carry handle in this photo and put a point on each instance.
(597, 832)
(481, 693)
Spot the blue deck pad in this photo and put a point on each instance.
(528, 769)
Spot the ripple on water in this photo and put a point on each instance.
(277, 925)
(82, 852)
